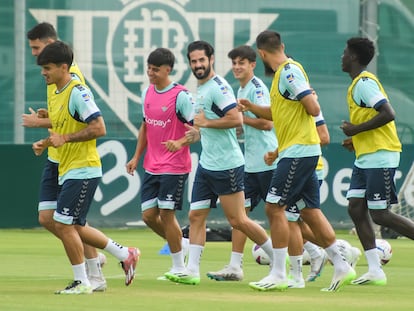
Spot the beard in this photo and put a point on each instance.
(269, 72)
(202, 75)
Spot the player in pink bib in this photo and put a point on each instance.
(167, 110)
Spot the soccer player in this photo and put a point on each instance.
(76, 124)
(259, 138)
(372, 135)
(221, 167)
(299, 231)
(39, 36)
(293, 106)
(167, 106)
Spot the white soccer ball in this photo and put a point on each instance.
(259, 255)
(384, 250)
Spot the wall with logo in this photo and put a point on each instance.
(111, 40)
(117, 199)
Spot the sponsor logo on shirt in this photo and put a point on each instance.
(154, 122)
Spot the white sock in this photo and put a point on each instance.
(373, 260)
(335, 256)
(185, 243)
(94, 267)
(268, 249)
(313, 250)
(177, 261)
(236, 259)
(296, 267)
(279, 263)
(194, 258)
(119, 251)
(79, 273)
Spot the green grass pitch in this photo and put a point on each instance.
(33, 265)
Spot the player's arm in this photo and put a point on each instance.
(311, 104)
(263, 112)
(258, 123)
(95, 129)
(385, 114)
(297, 84)
(323, 134)
(185, 113)
(139, 149)
(232, 118)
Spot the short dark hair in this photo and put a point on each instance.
(244, 52)
(57, 52)
(363, 48)
(200, 45)
(269, 40)
(42, 31)
(161, 56)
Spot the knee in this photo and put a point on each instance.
(379, 217)
(354, 209)
(197, 218)
(148, 219)
(239, 223)
(46, 222)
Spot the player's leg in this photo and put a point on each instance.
(284, 190)
(256, 185)
(149, 203)
(170, 199)
(359, 213)
(94, 267)
(318, 256)
(202, 199)
(381, 214)
(71, 210)
(324, 233)
(233, 271)
(230, 185)
(295, 250)
(48, 192)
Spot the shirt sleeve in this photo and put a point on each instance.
(224, 98)
(368, 94)
(82, 104)
(293, 82)
(261, 96)
(143, 95)
(185, 106)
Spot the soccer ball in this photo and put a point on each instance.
(259, 255)
(384, 250)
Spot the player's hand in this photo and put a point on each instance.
(200, 119)
(348, 128)
(30, 119)
(131, 166)
(172, 145)
(270, 157)
(56, 140)
(348, 144)
(42, 113)
(243, 104)
(39, 146)
(192, 134)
